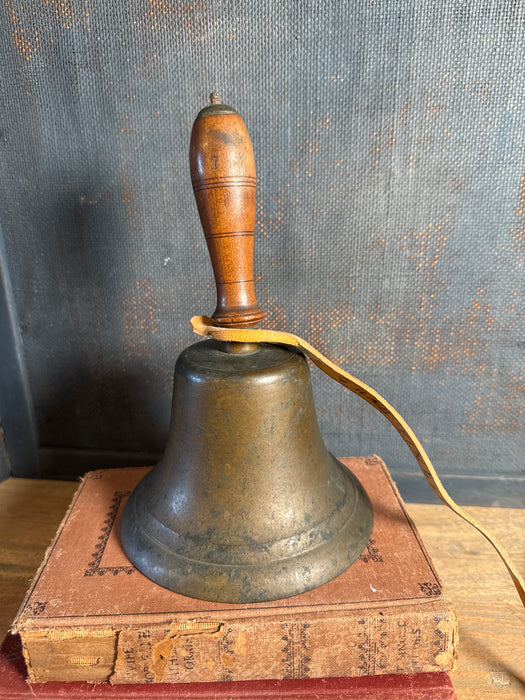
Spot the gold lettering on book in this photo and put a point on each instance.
(59, 634)
(84, 660)
(179, 635)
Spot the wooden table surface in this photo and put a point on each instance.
(491, 618)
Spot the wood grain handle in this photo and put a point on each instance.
(223, 176)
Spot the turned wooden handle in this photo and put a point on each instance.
(223, 176)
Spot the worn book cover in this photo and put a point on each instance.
(90, 616)
(415, 686)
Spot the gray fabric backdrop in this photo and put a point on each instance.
(389, 144)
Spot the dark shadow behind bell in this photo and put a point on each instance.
(246, 505)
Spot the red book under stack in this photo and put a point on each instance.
(417, 686)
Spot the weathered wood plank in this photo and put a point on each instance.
(491, 660)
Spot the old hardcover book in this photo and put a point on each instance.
(415, 686)
(90, 616)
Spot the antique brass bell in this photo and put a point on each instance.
(247, 504)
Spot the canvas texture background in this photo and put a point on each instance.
(389, 145)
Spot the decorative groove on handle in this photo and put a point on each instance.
(230, 234)
(224, 181)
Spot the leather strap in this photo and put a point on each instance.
(202, 325)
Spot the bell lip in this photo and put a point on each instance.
(239, 584)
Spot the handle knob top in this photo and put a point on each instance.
(215, 107)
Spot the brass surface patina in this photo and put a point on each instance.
(247, 504)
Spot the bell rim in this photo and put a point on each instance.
(275, 579)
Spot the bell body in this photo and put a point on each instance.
(247, 504)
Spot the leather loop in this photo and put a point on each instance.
(202, 325)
